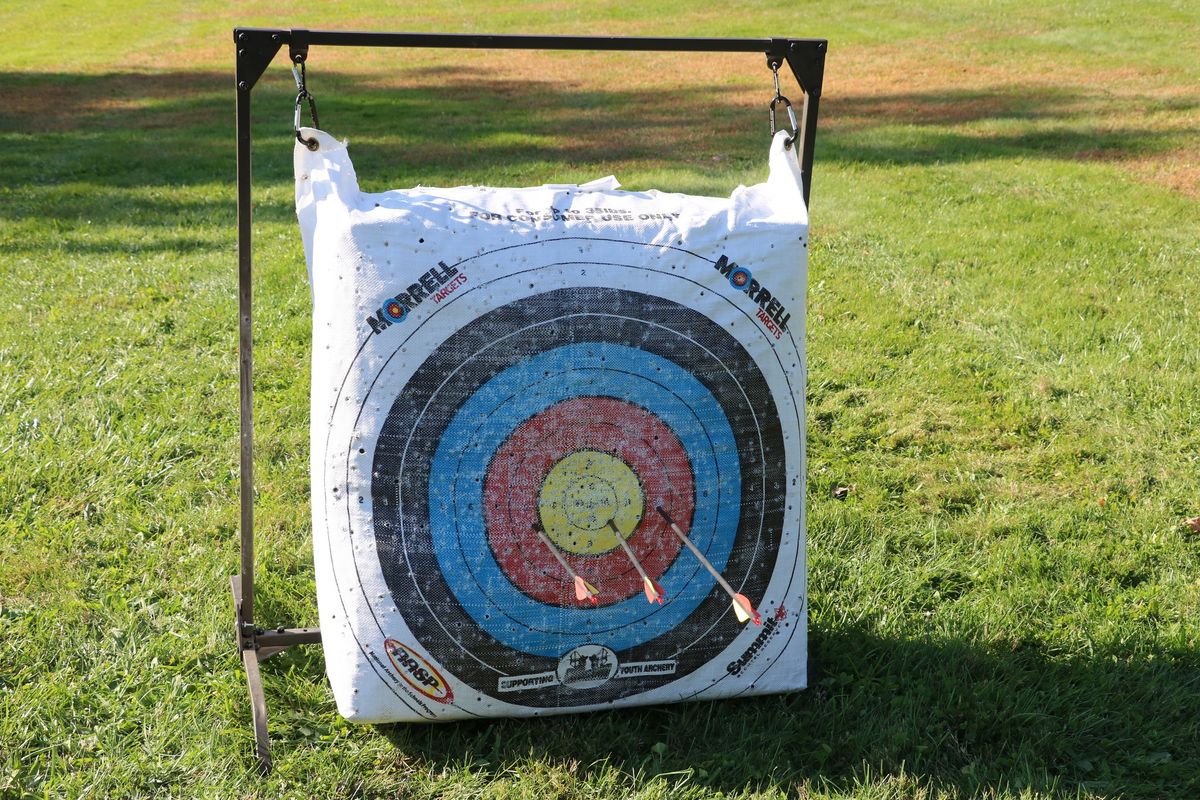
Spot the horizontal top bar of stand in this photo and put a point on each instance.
(515, 42)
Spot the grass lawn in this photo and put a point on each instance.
(1004, 365)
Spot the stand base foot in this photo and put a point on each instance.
(258, 710)
(255, 645)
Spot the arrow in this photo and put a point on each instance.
(654, 592)
(743, 609)
(583, 589)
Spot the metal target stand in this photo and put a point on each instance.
(256, 48)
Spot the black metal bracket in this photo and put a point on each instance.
(255, 51)
(298, 45)
(808, 65)
(256, 48)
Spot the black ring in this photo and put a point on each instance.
(410, 568)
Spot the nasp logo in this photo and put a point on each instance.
(587, 666)
(417, 672)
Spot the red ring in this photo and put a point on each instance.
(517, 471)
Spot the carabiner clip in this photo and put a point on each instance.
(791, 112)
(303, 94)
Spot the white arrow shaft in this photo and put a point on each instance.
(707, 565)
(628, 551)
(557, 555)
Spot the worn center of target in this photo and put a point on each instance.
(581, 493)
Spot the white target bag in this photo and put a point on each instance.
(557, 442)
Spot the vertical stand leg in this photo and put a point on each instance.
(243, 583)
(809, 68)
(808, 140)
(254, 644)
(245, 354)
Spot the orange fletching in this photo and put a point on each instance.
(654, 592)
(744, 610)
(585, 591)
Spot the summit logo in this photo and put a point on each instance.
(770, 629)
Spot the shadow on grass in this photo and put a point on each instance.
(946, 714)
(133, 130)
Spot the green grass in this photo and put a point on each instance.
(1004, 365)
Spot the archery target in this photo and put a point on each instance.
(522, 403)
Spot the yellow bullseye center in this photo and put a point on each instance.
(581, 493)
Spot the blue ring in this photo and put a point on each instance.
(527, 388)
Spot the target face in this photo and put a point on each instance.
(554, 472)
(532, 416)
